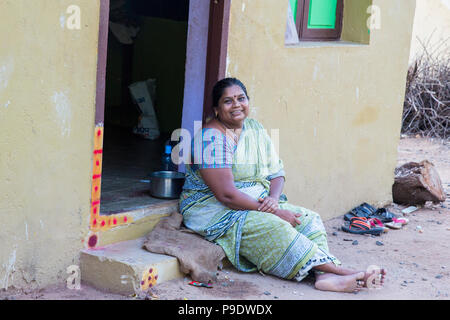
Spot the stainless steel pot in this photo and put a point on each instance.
(166, 184)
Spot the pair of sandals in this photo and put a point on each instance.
(363, 225)
(366, 219)
(365, 210)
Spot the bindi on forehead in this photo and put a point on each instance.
(233, 92)
(235, 96)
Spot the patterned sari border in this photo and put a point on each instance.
(294, 257)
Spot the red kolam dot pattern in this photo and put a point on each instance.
(98, 222)
(103, 223)
(149, 278)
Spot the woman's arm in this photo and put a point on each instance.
(276, 187)
(221, 183)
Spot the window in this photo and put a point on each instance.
(318, 19)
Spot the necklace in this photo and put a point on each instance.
(227, 129)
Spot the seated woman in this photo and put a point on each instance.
(233, 196)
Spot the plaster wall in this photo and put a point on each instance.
(431, 26)
(337, 106)
(48, 73)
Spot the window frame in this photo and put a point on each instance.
(305, 34)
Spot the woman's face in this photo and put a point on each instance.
(233, 106)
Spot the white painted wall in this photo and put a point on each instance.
(431, 24)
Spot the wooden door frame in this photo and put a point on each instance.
(101, 62)
(216, 61)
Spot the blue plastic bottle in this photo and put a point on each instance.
(166, 160)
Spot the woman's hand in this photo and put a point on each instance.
(289, 216)
(268, 204)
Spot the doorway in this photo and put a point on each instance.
(189, 38)
(146, 58)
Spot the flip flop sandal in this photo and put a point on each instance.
(349, 215)
(394, 225)
(383, 215)
(367, 207)
(360, 225)
(352, 213)
(375, 222)
(397, 223)
(403, 221)
(363, 210)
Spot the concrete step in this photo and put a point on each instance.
(143, 220)
(126, 268)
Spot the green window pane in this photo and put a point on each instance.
(294, 8)
(322, 14)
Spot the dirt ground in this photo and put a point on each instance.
(416, 257)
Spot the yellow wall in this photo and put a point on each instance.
(47, 105)
(338, 107)
(431, 26)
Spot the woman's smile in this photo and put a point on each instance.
(233, 107)
(237, 113)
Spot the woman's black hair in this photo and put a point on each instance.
(221, 85)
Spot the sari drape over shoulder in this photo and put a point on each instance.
(252, 240)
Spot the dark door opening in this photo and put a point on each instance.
(146, 44)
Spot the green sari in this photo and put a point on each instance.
(252, 240)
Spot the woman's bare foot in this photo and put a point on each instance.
(340, 283)
(374, 277)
